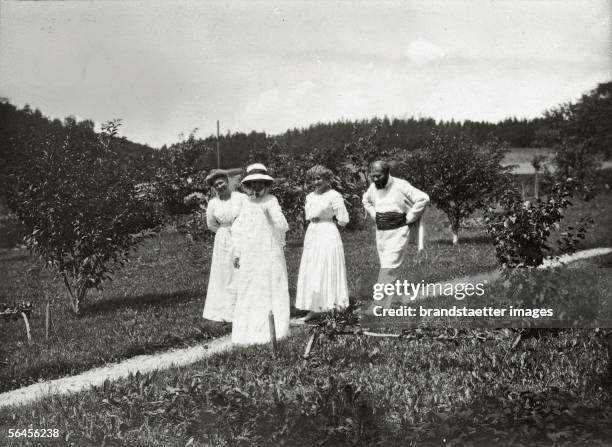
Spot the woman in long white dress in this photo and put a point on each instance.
(322, 284)
(258, 238)
(221, 212)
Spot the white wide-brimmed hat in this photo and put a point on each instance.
(257, 171)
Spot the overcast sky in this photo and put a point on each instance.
(168, 67)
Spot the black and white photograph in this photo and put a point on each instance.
(306, 223)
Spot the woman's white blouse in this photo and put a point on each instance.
(325, 206)
(222, 213)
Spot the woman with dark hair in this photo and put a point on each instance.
(221, 212)
(322, 281)
(258, 238)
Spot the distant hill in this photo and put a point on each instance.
(20, 127)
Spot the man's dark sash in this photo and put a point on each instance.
(390, 220)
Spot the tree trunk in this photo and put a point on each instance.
(74, 303)
(76, 299)
(536, 186)
(455, 230)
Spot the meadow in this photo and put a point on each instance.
(430, 388)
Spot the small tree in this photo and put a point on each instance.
(459, 175)
(80, 208)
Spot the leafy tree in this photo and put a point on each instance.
(581, 135)
(80, 207)
(459, 175)
(587, 121)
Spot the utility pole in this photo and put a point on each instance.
(218, 159)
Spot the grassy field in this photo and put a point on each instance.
(463, 389)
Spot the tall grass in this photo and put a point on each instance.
(460, 390)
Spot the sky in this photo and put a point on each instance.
(167, 67)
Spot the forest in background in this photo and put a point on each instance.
(21, 127)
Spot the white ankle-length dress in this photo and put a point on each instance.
(220, 298)
(258, 239)
(322, 281)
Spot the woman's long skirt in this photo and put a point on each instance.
(322, 281)
(220, 297)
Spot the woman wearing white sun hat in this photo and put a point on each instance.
(258, 238)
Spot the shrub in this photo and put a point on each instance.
(521, 229)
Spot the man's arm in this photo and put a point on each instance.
(419, 201)
(368, 202)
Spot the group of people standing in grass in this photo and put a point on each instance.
(248, 274)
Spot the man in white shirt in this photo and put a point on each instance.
(396, 206)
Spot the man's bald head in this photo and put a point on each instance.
(379, 173)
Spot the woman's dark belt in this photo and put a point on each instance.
(390, 220)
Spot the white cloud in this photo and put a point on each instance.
(264, 101)
(422, 52)
(280, 105)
